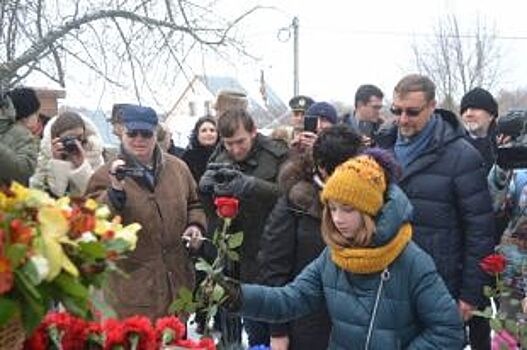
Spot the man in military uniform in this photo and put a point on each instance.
(299, 105)
(251, 177)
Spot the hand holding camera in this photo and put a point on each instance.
(68, 148)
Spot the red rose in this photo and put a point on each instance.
(493, 264)
(226, 207)
(6, 275)
(169, 330)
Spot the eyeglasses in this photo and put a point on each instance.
(411, 112)
(146, 134)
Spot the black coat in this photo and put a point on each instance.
(197, 158)
(263, 163)
(453, 218)
(291, 240)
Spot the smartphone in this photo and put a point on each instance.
(310, 124)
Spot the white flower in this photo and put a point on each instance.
(41, 266)
(87, 237)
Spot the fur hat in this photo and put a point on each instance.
(480, 99)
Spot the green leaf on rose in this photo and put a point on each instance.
(488, 291)
(203, 265)
(495, 324)
(218, 292)
(235, 240)
(234, 256)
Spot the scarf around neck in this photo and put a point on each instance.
(407, 150)
(369, 260)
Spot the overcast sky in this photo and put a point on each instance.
(344, 44)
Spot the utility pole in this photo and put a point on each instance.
(295, 56)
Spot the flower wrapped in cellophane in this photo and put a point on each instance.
(54, 251)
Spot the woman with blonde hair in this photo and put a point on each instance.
(380, 289)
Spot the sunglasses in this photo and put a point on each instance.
(146, 134)
(411, 112)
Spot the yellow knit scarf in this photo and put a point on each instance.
(371, 260)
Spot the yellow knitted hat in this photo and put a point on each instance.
(359, 182)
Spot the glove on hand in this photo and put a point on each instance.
(233, 183)
(233, 291)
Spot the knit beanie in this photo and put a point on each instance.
(359, 182)
(25, 101)
(480, 99)
(323, 110)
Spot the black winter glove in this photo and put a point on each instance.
(207, 182)
(233, 291)
(233, 183)
(211, 177)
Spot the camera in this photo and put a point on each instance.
(69, 143)
(124, 171)
(513, 155)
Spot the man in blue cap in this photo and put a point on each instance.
(156, 190)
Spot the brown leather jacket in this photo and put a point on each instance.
(160, 264)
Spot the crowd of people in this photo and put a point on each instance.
(359, 232)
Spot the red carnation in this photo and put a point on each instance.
(207, 344)
(142, 327)
(38, 340)
(493, 264)
(115, 334)
(92, 334)
(169, 330)
(226, 207)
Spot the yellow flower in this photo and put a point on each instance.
(54, 228)
(129, 234)
(90, 204)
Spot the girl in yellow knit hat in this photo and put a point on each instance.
(381, 290)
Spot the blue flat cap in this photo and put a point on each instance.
(138, 117)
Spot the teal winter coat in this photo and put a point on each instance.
(415, 309)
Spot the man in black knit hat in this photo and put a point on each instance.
(479, 111)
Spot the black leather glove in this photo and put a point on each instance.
(207, 182)
(233, 291)
(233, 183)
(211, 177)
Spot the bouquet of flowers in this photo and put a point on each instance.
(54, 251)
(65, 332)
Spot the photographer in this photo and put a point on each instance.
(249, 165)
(70, 151)
(319, 116)
(18, 151)
(156, 190)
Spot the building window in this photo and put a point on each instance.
(206, 107)
(192, 108)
